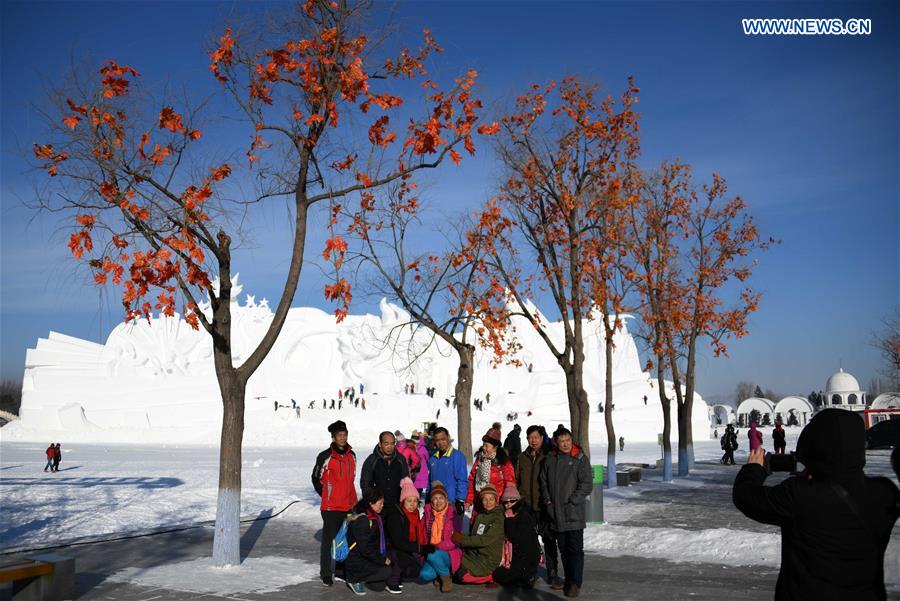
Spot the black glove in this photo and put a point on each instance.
(460, 507)
(426, 549)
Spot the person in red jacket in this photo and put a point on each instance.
(491, 466)
(51, 453)
(333, 478)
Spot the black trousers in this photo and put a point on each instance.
(728, 457)
(571, 547)
(548, 538)
(331, 523)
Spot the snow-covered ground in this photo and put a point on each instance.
(104, 489)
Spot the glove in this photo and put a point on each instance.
(456, 537)
(460, 507)
(426, 549)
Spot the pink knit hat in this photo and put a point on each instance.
(510, 493)
(407, 490)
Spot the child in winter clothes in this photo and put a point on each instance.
(490, 467)
(367, 562)
(440, 519)
(406, 536)
(521, 551)
(483, 547)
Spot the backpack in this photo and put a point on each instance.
(340, 546)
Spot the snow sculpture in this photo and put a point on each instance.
(155, 381)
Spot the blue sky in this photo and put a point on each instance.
(805, 128)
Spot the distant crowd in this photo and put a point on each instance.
(425, 515)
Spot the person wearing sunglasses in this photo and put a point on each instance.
(521, 551)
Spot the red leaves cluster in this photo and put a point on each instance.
(46, 151)
(222, 55)
(339, 292)
(115, 82)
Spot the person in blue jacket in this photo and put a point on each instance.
(448, 466)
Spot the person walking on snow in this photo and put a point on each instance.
(333, 477)
(57, 457)
(621, 443)
(50, 452)
(755, 436)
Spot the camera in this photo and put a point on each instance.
(781, 463)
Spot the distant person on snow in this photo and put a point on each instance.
(621, 443)
(57, 457)
(729, 443)
(755, 436)
(778, 439)
(384, 469)
(333, 478)
(50, 452)
(835, 521)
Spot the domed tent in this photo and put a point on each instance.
(794, 411)
(755, 409)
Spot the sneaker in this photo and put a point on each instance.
(394, 589)
(327, 581)
(358, 588)
(572, 591)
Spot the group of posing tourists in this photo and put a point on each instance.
(424, 515)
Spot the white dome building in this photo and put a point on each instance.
(842, 391)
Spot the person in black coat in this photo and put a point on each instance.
(513, 443)
(520, 530)
(403, 550)
(835, 522)
(384, 469)
(778, 439)
(367, 563)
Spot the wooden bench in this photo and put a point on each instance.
(40, 578)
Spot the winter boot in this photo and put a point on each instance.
(446, 583)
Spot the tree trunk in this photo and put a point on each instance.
(683, 462)
(608, 411)
(464, 375)
(667, 421)
(227, 537)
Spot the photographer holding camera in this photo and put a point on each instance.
(835, 521)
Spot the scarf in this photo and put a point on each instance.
(437, 526)
(414, 525)
(483, 474)
(506, 557)
(377, 519)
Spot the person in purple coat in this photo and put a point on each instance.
(755, 437)
(421, 477)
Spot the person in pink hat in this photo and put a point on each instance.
(440, 526)
(521, 551)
